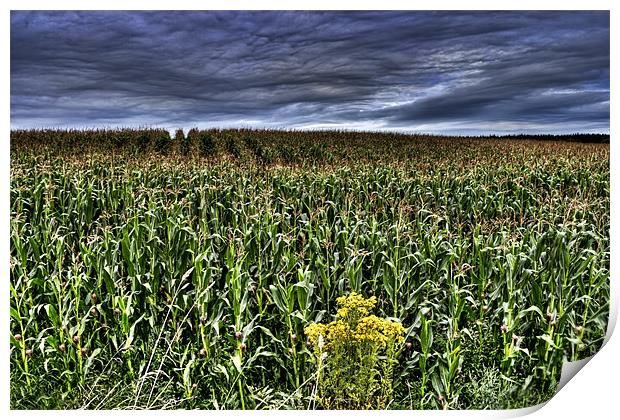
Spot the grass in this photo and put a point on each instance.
(148, 272)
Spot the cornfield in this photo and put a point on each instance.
(157, 272)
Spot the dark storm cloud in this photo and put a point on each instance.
(420, 71)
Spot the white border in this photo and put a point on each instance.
(592, 393)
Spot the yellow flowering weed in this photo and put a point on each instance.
(350, 374)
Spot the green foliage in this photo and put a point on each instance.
(176, 281)
(207, 144)
(233, 148)
(180, 142)
(319, 153)
(162, 142)
(263, 155)
(287, 153)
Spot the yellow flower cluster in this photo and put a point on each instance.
(354, 325)
(395, 330)
(370, 329)
(354, 304)
(338, 331)
(378, 330)
(314, 331)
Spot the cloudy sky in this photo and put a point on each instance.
(437, 72)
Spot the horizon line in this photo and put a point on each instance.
(315, 129)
